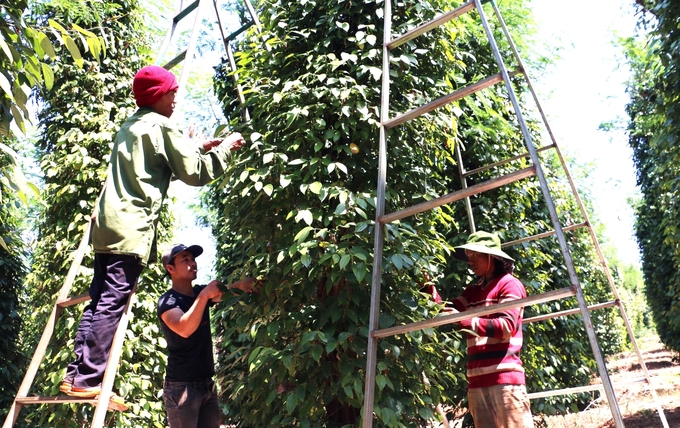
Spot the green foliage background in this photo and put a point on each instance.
(13, 270)
(297, 211)
(653, 135)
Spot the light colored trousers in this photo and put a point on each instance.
(500, 406)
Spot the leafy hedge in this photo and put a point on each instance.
(654, 132)
(12, 295)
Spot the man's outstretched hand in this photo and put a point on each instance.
(247, 285)
(233, 141)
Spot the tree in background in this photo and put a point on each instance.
(12, 273)
(297, 211)
(24, 50)
(78, 119)
(23, 68)
(654, 131)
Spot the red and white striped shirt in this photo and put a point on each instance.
(493, 356)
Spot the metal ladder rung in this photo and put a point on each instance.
(176, 60)
(236, 33)
(73, 300)
(543, 235)
(579, 389)
(187, 10)
(447, 99)
(55, 400)
(503, 162)
(459, 194)
(431, 25)
(575, 311)
(476, 312)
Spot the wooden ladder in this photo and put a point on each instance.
(101, 402)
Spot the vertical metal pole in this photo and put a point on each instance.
(245, 114)
(372, 351)
(191, 48)
(584, 213)
(463, 181)
(239, 90)
(168, 36)
(253, 14)
(602, 369)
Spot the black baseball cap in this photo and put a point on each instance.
(172, 252)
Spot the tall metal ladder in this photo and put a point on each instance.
(464, 194)
(101, 403)
(183, 12)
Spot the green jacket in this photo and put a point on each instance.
(148, 152)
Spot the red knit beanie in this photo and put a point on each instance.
(151, 83)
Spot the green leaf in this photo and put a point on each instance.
(303, 234)
(305, 215)
(56, 25)
(315, 187)
(48, 76)
(340, 209)
(396, 261)
(95, 48)
(73, 49)
(381, 381)
(6, 86)
(87, 33)
(268, 189)
(343, 25)
(359, 270)
(316, 352)
(306, 260)
(220, 130)
(291, 403)
(376, 72)
(273, 329)
(18, 118)
(5, 48)
(344, 261)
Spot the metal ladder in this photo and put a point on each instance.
(464, 194)
(101, 403)
(183, 12)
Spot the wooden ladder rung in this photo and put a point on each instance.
(458, 195)
(447, 99)
(475, 312)
(55, 400)
(70, 301)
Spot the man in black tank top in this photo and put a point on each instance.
(189, 391)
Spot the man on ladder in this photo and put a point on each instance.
(147, 153)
